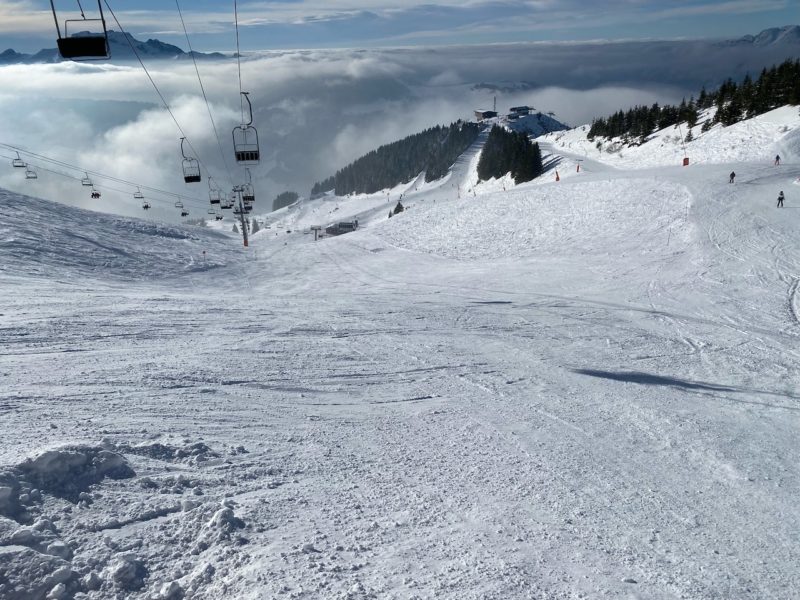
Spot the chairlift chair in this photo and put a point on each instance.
(211, 211)
(146, 205)
(248, 191)
(230, 201)
(218, 217)
(95, 194)
(248, 194)
(18, 162)
(86, 181)
(30, 173)
(179, 204)
(184, 213)
(138, 195)
(191, 167)
(91, 45)
(245, 139)
(214, 193)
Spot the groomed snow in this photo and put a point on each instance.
(583, 388)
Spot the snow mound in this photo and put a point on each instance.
(225, 521)
(127, 572)
(194, 453)
(64, 472)
(29, 575)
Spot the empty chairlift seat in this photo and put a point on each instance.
(245, 139)
(191, 171)
(248, 191)
(191, 166)
(248, 195)
(245, 143)
(84, 47)
(214, 193)
(92, 41)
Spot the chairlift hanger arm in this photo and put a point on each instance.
(55, 17)
(249, 109)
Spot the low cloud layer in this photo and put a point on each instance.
(318, 110)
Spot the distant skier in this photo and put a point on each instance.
(733, 176)
(780, 199)
(777, 159)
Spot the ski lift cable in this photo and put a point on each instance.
(45, 169)
(238, 55)
(39, 167)
(203, 89)
(245, 137)
(83, 16)
(96, 174)
(103, 186)
(152, 81)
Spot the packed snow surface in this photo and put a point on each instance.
(584, 388)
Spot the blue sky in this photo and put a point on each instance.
(276, 24)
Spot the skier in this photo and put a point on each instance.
(777, 159)
(733, 176)
(780, 199)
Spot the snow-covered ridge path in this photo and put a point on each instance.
(583, 389)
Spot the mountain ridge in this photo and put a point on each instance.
(120, 48)
(156, 49)
(788, 34)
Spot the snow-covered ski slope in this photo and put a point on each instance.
(43, 238)
(758, 140)
(576, 389)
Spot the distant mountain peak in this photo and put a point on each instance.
(120, 45)
(789, 34)
(779, 35)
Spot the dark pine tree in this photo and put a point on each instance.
(433, 151)
(776, 86)
(509, 152)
